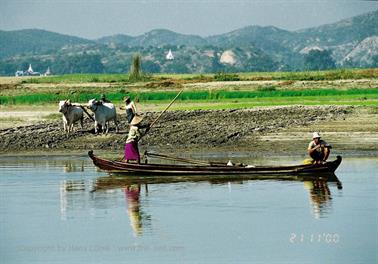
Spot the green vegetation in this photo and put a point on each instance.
(135, 71)
(226, 77)
(319, 60)
(136, 74)
(323, 96)
(289, 88)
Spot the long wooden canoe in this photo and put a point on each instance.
(184, 170)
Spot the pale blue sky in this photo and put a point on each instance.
(97, 18)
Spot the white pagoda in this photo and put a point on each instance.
(30, 70)
(170, 55)
(48, 72)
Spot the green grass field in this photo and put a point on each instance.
(226, 97)
(287, 88)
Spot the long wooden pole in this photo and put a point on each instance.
(174, 99)
(85, 111)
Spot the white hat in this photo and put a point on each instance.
(316, 135)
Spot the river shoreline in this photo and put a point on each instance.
(264, 131)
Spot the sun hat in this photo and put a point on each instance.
(316, 135)
(136, 120)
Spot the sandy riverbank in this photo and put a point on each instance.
(262, 131)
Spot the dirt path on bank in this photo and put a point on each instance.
(274, 130)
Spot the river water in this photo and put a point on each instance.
(61, 209)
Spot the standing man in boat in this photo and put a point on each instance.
(131, 146)
(318, 149)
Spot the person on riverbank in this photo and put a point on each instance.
(318, 149)
(103, 99)
(131, 146)
(130, 108)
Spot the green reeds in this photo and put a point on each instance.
(202, 95)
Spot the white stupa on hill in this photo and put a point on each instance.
(170, 55)
(48, 72)
(30, 70)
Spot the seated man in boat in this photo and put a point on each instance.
(318, 149)
(131, 146)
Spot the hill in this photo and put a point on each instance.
(155, 38)
(348, 43)
(34, 40)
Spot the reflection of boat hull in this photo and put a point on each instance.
(318, 170)
(115, 181)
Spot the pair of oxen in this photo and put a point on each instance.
(74, 113)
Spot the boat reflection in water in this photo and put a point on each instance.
(73, 166)
(320, 196)
(72, 195)
(78, 196)
(104, 192)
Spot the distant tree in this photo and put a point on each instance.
(135, 70)
(215, 66)
(260, 63)
(7, 68)
(319, 60)
(151, 67)
(84, 63)
(349, 63)
(375, 61)
(176, 67)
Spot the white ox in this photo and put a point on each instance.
(103, 113)
(71, 114)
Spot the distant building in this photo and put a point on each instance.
(48, 72)
(30, 72)
(170, 55)
(19, 73)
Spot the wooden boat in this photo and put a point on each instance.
(118, 167)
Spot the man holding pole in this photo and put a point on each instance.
(131, 146)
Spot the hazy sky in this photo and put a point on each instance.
(98, 18)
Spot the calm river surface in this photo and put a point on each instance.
(63, 210)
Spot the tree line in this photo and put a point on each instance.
(112, 62)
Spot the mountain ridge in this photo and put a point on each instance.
(351, 42)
